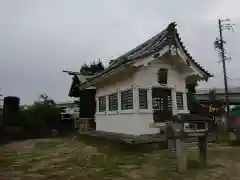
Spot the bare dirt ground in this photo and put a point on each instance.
(75, 158)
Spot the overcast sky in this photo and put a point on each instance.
(40, 38)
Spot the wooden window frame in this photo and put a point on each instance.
(110, 101)
(145, 101)
(163, 72)
(122, 100)
(179, 102)
(100, 109)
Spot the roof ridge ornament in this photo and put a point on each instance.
(173, 50)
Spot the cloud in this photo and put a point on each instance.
(41, 38)
(224, 9)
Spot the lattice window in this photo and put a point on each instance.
(102, 103)
(113, 102)
(179, 97)
(127, 99)
(169, 102)
(143, 99)
(158, 103)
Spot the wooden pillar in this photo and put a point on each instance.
(185, 103)
(181, 151)
(149, 96)
(135, 98)
(174, 102)
(202, 145)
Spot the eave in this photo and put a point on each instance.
(183, 48)
(77, 80)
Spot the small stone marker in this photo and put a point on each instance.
(182, 128)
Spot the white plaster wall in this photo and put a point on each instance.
(136, 123)
(121, 85)
(145, 77)
(148, 75)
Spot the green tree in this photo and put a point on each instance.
(217, 107)
(215, 103)
(193, 104)
(39, 119)
(92, 68)
(212, 96)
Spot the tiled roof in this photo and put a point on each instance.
(149, 47)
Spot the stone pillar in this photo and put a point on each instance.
(202, 145)
(171, 143)
(181, 152)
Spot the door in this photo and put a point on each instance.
(88, 106)
(162, 104)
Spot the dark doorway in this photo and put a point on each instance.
(88, 106)
(162, 104)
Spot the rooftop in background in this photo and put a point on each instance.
(232, 90)
(234, 95)
(65, 103)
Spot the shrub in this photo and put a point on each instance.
(39, 119)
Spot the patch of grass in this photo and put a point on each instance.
(194, 164)
(6, 162)
(93, 159)
(46, 145)
(7, 159)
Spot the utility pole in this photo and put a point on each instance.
(1, 100)
(219, 45)
(1, 109)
